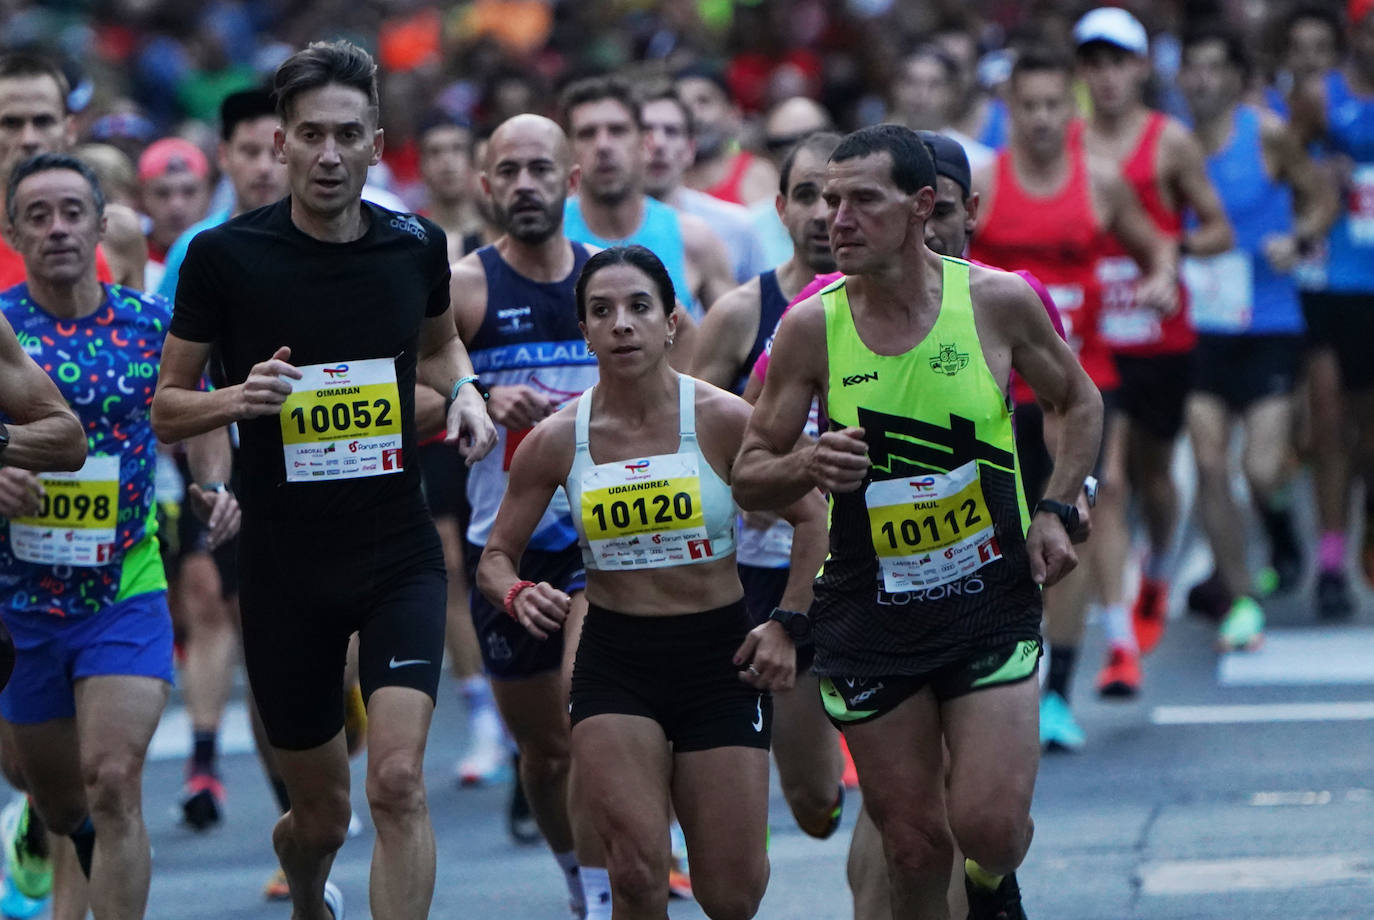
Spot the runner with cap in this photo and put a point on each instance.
(1165, 167)
(174, 186)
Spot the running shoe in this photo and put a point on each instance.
(1002, 904)
(277, 888)
(1333, 597)
(1059, 730)
(486, 763)
(203, 802)
(355, 720)
(850, 776)
(1243, 628)
(836, 815)
(520, 821)
(334, 900)
(1120, 676)
(679, 882)
(1209, 598)
(15, 906)
(27, 864)
(1150, 614)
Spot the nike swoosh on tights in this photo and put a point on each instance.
(758, 723)
(408, 661)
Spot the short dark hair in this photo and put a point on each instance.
(595, 89)
(23, 64)
(1314, 12)
(1041, 59)
(320, 64)
(821, 143)
(1216, 31)
(246, 105)
(702, 71)
(637, 256)
(912, 167)
(663, 91)
(437, 118)
(936, 54)
(43, 162)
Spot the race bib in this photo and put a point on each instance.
(1221, 290)
(1123, 323)
(76, 525)
(1361, 205)
(645, 514)
(342, 421)
(931, 529)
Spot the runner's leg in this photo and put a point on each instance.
(402, 880)
(726, 826)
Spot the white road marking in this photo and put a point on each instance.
(1262, 712)
(1279, 873)
(1304, 656)
(172, 740)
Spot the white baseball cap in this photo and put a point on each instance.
(1112, 25)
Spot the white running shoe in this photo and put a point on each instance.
(334, 900)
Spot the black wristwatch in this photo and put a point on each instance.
(1067, 514)
(796, 625)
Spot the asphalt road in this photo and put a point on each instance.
(1233, 787)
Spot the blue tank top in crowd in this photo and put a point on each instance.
(106, 367)
(659, 232)
(1350, 131)
(998, 125)
(771, 305)
(529, 337)
(1257, 207)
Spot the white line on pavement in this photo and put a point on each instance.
(1304, 656)
(1262, 712)
(1192, 877)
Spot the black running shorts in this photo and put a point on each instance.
(509, 651)
(1153, 390)
(1345, 324)
(678, 671)
(308, 586)
(1241, 370)
(852, 700)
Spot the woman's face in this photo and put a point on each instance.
(625, 323)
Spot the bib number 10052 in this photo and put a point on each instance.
(342, 416)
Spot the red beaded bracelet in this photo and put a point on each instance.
(512, 594)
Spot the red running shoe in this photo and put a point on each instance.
(1120, 676)
(850, 776)
(1150, 614)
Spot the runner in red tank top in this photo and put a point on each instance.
(1166, 167)
(1048, 207)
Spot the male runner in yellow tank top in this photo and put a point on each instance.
(926, 618)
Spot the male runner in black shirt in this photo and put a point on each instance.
(323, 311)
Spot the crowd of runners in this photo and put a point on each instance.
(676, 438)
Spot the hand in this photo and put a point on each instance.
(839, 460)
(541, 609)
(769, 658)
(21, 494)
(1051, 554)
(518, 407)
(1281, 252)
(1085, 522)
(469, 426)
(220, 512)
(266, 387)
(1158, 293)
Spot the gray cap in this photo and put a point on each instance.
(950, 159)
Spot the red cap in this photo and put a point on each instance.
(1358, 10)
(172, 155)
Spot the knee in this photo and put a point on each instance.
(812, 807)
(738, 900)
(638, 879)
(318, 823)
(545, 760)
(114, 785)
(917, 848)
(995, 838)
(1264, 474)
(1212, 468)
(396, 785)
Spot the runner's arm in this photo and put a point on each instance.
(181, 409)
(770, 472)
(1316, 203)
(443, 361)
(725, 335)
(1212, 235)
(211, 459)
(1152, 251)
(810, 543)
(45, 433)
(537, 469)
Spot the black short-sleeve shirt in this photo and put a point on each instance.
(258, 282)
